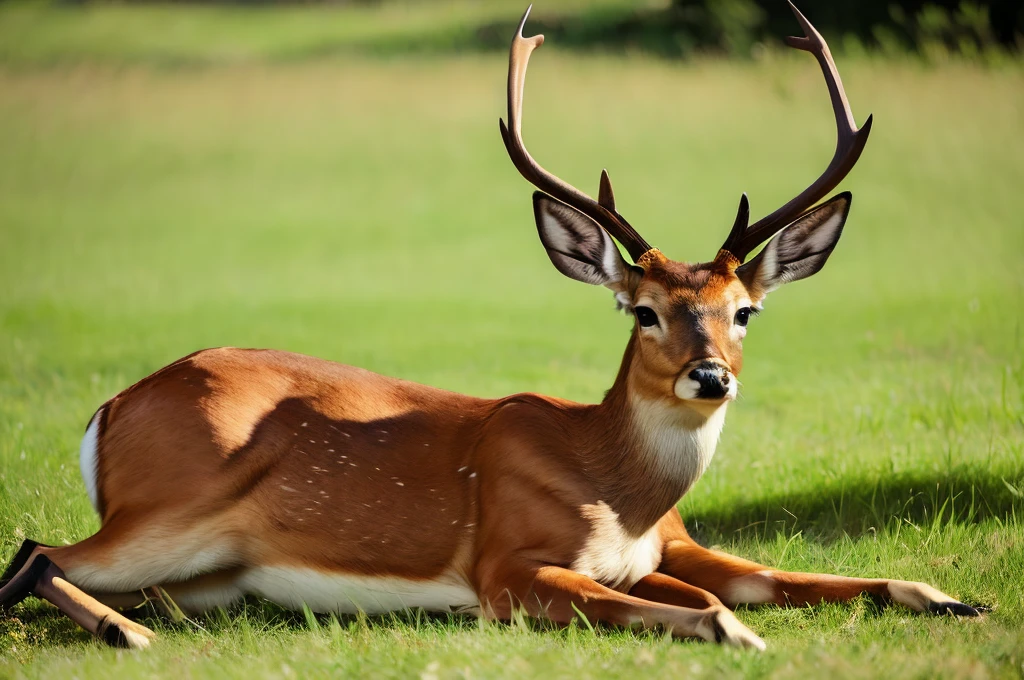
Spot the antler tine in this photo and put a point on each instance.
(849, 143)
(602, 212)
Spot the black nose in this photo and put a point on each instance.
(714, 383)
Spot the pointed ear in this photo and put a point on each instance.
(797, 251)
(580, 248)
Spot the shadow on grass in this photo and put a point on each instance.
(855, 507)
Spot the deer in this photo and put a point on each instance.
(237, 472)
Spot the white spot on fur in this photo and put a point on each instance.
(350, 593)
(733, 633)
(87, 459)
(756, 588)
(917, 596)
(611, 555)
(135, 640)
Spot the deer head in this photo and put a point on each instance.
(690, 319)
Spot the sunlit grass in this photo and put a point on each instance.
(364, 211)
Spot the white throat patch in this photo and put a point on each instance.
(678, 443)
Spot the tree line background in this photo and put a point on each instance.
(738, 27)
(932, 27)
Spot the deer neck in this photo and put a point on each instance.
(650, 451)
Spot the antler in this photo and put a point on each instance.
(602, 211)
(849, 144)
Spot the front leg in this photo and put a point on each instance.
(561, 595)
(737, 581)
(658, 587)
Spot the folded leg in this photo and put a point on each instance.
(39, 576)
(561, 595)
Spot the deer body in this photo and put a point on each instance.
(304, 493)
(234, 472)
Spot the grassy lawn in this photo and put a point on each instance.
(363, 210)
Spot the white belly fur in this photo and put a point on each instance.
(350, 593)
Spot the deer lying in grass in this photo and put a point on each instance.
(234, 472)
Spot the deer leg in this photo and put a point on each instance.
(738, 581)
(663, 588)
(114, 562)
(20, 576)
(561, 595)
(28, 547)
(44, 579)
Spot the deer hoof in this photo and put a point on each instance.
(724, 628)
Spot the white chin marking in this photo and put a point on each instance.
(87, 459)
(687, 388)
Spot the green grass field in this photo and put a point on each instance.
(363, 210)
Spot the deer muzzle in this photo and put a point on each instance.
(706, 379)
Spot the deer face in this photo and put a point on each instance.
(690, 323)
(690, 319)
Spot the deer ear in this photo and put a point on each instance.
(580, 248)
(799, 250)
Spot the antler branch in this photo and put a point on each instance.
(849, 144)
(603, 211)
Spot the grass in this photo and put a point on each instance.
(364, 211)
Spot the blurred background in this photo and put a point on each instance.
(203, 32)
(329, 179)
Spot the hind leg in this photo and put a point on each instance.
(123, 557)
(39, 576)
(119, 601)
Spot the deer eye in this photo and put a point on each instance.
(743, 316)
(646, 316)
